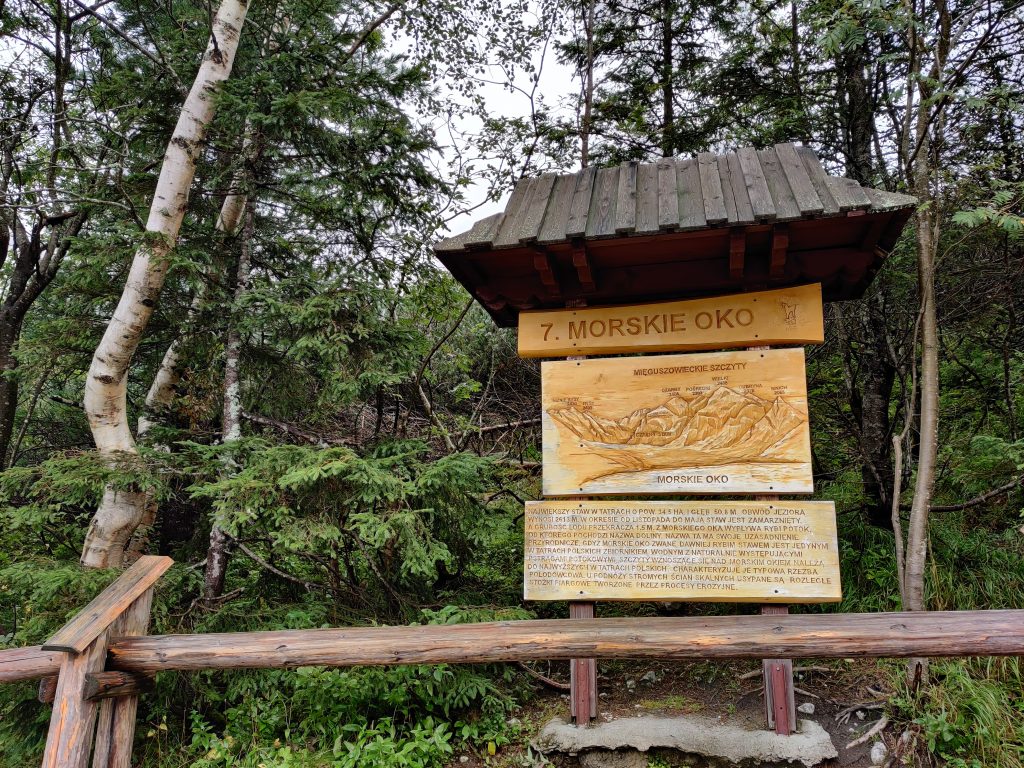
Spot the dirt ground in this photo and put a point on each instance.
(730, 692)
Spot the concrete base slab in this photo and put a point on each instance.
(694, 735)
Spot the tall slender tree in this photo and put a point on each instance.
(121, 510)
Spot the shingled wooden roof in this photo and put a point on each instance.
(743, 220)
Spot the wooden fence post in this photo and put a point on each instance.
(115, 730)
(83, 640)
(69, 739)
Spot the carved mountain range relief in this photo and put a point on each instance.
(704, 423)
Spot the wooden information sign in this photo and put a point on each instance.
(775, 552)
(726, 422)
(787, 316)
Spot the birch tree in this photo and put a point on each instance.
(121, 510)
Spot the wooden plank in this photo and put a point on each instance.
(647, 199)
(556, 218)
(102, 745)
(116, 729)
(744, 212)
(110, 685)
(711, 186)
(728, 195)
(848, 194)
(856, 192)
(668, 198)
(28, 663)
(625, 207)
(73, 720)
(78, 634)
(784, 316)
(544, 264)
(576, 226)
(786, 208)
(722, 422)
(508, 232)
(601, 218)
(807, 199)
(532, 216)
(776, 552)
(481, 234)
(869, 635)
(737, 264)
(819, 179)
(691, 197)
(584, 271)
(761, 202)
(780, 251)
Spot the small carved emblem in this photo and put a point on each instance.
(788, 312)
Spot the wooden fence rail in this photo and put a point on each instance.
(28, 663)
(954, 633)
(936, 633)
(104, 660)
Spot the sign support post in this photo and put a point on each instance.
(582, 672)
(777, 674)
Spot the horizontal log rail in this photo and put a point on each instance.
(869, 635)
(101, 685)
(28, 663)
(952, 633)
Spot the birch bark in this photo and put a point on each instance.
(163, 390)
(217, 555)
(121, 511)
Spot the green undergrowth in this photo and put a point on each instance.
(413, 716)
(971, 715)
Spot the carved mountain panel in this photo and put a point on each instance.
(730, 422)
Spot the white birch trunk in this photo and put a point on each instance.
(231, 427)
(106, 385)
(163, 390)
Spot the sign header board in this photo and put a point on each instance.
(723, 422)
(774, 552)
(787, 316)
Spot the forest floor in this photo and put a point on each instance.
(730, 693)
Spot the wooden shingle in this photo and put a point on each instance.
(677, 227)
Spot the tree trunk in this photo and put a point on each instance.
(231, 420)
(10, 330)
(163, 390)
(878, 377)
(588, 85)
(668, 117)
(121, 512)
(917, 533)
(858, 117)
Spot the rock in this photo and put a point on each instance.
(692, 735)
(861, 714)
(463, 759)
(630, 685)
(619, 758)
(806, 708)
(878, 753)
(650, 677)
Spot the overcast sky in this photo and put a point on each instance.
(557, 83)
